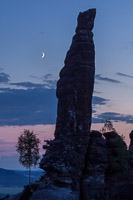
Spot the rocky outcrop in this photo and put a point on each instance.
(108, 171)
(64, 160)
(118, 177)
(131, 150)
(75, 86)
(93, 181)
(80, 165)
(118, 154)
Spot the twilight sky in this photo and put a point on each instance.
(27, 82)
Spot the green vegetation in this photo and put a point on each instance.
(28, 148)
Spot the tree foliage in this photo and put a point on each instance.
(108, 126)
(28, 148)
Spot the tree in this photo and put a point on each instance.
(108, 126)
(28, 148)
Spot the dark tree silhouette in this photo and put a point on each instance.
(28, 148)
(108, 126)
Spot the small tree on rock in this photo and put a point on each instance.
(118, 156)
(28, 148)
(108, 126)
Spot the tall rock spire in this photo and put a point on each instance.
(75, 86)
(64, 159)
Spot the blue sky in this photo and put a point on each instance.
(30, 27)
(27, 82)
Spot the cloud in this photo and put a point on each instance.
(114, 116)
(47, 76)
(99, 77)
(27, 107)
(4, 78)
(28, 85)
(31, 106)
(10, 162)
(48, 80)
(96, 92)
(99, 100)
(4, 142)
(35, 77)
(124, 75)
(96, 120)
(49, 84)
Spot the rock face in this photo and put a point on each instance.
(75, 86)
(131, 150)
(119, 175)
(93, 181)
(108, 170)
(64, 160)
(80, 165)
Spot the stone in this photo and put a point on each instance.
(56, 193)
(75, 86)
(93, 181)
(118, 176)
(131, 150)
(64, 160)
(131, 139)
(79, 164)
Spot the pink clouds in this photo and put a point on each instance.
(8, 140)
(10, 134)
(122, 128)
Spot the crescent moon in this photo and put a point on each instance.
(43, 54)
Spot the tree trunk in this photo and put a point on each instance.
(29, 176)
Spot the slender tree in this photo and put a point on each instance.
(28, 148)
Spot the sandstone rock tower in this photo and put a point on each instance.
(64, 160)
(75, 86)
(80, 165)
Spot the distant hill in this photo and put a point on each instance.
(17, 178)
(35, 174)
(10, 178)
